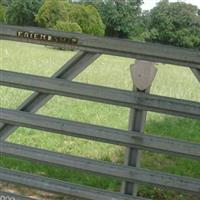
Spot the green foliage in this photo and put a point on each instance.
(175, 23)
(2, 13)
(22, 12)
(88, 19)
(67, 26)
(96, 26)
(79, 17)
(6, 2)
(119, 16)
(51, 12)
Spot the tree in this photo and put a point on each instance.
(68, 27)
(5, 2)
(174, 23)
(86, 17)
(119, 16)
(52, 11)
(22, 12)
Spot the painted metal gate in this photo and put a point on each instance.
(139, 101)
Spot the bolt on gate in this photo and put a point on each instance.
(139, 101)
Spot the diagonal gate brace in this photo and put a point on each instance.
(196, 72)
(68, 71)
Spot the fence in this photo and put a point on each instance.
(139, 101)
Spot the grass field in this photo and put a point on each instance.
(110, 71)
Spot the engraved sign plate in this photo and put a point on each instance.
(144, 73)
(46, 37)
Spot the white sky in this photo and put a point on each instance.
(149, 4)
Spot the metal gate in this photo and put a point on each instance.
(139, 101)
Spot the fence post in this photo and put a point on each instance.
(143, 74)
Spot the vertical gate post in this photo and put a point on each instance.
(143, 74)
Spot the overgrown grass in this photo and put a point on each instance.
(109, 71)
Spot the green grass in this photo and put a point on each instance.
(108, 71)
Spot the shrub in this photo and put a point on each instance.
(96, 26)
(6, 2)
(22, 12)
(67, 26)
(51, 12)
(88, 19)
(78, 18)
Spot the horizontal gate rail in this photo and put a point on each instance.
(126, 48)
(99, 133)
(55, 186)
(101, 94)
(68, 71)
(119, 171)
(11, 196)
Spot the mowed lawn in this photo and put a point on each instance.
(109, 71)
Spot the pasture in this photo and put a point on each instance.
(107, 71)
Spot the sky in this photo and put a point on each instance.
(149, 4)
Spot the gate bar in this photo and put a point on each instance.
(103, 134)
(103, 45)
(121, 172)
(11, 196)
(60, 187)
(137, 117)
(112, 96)
(196, 72)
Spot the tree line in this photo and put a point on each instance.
(175, 23)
